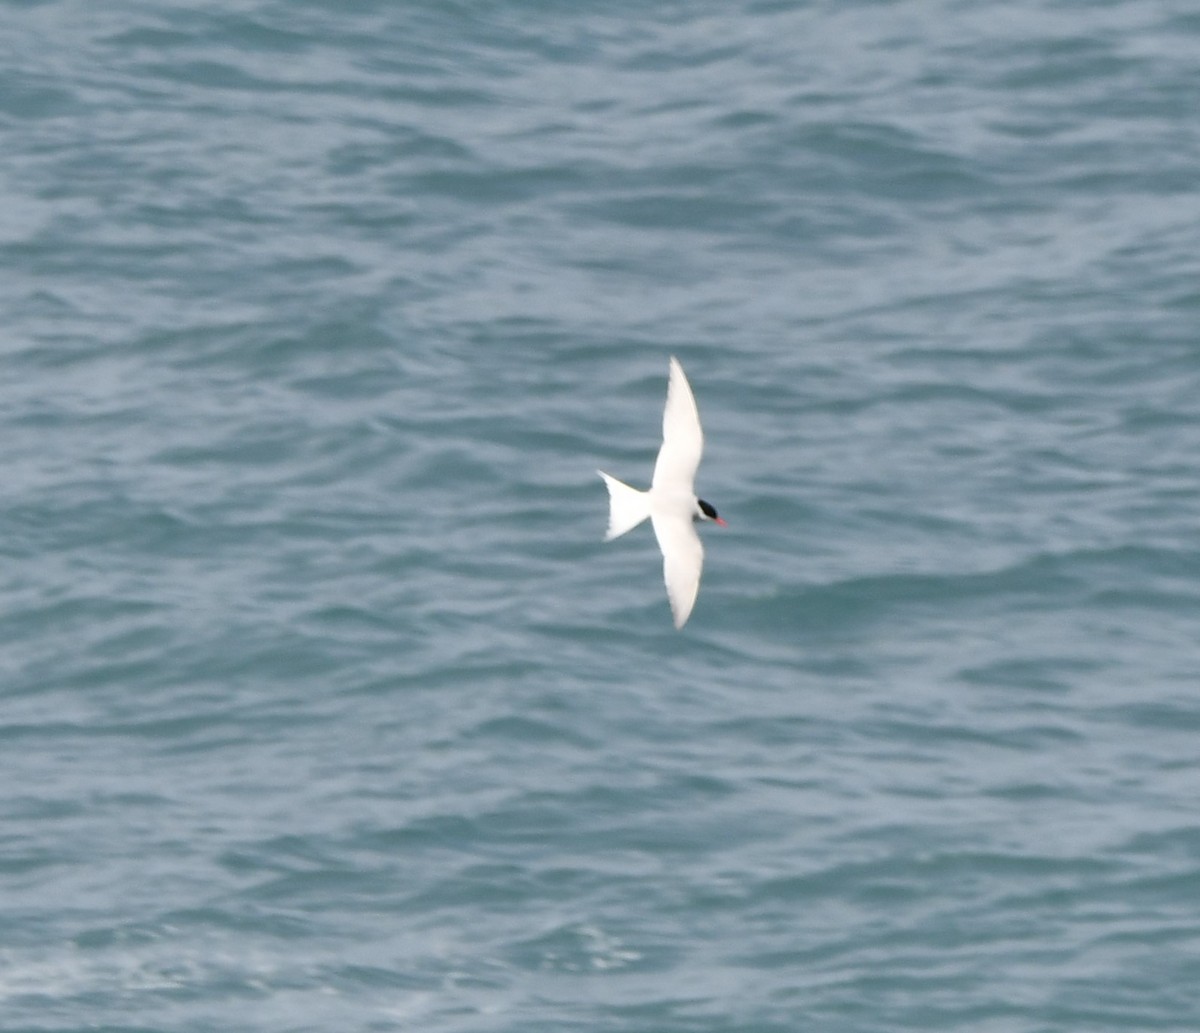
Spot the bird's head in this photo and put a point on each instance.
(706, 511)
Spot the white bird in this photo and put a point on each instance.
(671, 502)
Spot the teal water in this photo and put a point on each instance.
(323, 705)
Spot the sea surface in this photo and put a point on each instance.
(323, 706)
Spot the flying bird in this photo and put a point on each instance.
(671, 503)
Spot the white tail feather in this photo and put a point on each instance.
(627, 507)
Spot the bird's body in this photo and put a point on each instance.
(671, 503)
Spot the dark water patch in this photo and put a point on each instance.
(1180, 844)
(1179, 715)
(1036, 674)
(932, 734)
(33, 100)
(373, 978)
(965, 878)
(531, 732)
(698, 213)
(847, 606)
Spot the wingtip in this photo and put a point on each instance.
(680, 619)
(681, 616)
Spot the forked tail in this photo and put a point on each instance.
(627, 507)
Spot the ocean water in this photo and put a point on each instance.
(322, 704)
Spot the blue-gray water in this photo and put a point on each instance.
(325, 708)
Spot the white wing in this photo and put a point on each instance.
(683, 559)
(683, 441)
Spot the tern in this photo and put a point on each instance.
(671, 503)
